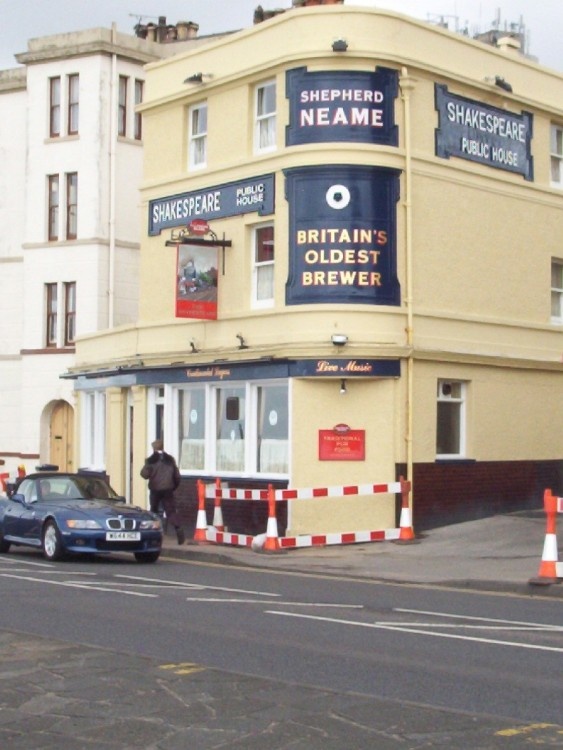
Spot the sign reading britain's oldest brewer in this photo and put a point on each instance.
(478, 132)
(343, 105)
(342, 235)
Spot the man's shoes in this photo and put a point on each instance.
(181, 536)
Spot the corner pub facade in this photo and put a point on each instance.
(351, 271)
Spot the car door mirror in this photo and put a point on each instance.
(17, 497)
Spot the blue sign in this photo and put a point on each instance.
(217, 202)
(342, 105)
(481, 133)
(342, 235)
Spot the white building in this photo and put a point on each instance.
(71, 153)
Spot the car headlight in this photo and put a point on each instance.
(82, 523)
(153, 523)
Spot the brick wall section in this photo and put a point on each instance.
(453, 491)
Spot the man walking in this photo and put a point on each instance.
(164, 477)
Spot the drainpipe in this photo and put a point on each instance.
(407, 85)
(112, 147)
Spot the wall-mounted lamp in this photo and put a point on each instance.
(343, 387)
(339, 45)
(500, 82)
(197, 77)
(339, 339)
(241, 345)
(195, 350)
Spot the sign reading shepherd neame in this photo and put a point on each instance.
(488, 135)
(342, 105)
(217, 202)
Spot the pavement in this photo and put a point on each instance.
(500, 553)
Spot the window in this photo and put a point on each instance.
(53, 207)
(122, 107)
(70, 313)
(93, 430)
(138, 117)
(51, 298)
(72, 117)
(238, 428)
(54, 107)
(450, 427)
(71, 205)
(557, 155)
(265, 132)
(263, 266)
(198, 136)
(557, 291)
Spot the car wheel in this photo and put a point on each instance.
(147, 557)
(52, 544)
(4, 546)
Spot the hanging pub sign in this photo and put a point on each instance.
(196, 281)
(342, 238)
(342, 444)
(484, 134)
(341, 105)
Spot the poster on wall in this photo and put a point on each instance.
(342, 444)
(342, 235)
(196, 282)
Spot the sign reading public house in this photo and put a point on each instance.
(481, 133)
(344, 105)
(342, 238)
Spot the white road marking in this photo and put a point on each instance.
(474, 617)
(382, 626)
(285, 604)
(198, 587)
(85, 586)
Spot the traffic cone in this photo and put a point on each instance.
(218, 511)
(200, 533)
(271, 543)
(406, 531)
(548, 567)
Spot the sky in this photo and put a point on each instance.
(26, 19)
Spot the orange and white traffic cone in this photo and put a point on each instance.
(548, 567)
(200, 533)
(271, 543)
(406, 531)
(218, 511)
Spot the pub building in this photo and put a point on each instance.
(350, 271)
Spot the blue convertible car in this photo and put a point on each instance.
(70, 513)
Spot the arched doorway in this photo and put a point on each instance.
(61, 436)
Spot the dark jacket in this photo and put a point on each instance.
(162, 472)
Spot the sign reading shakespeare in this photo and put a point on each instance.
(342, 235)
(477, 132)
(218, 202)
(341, 105)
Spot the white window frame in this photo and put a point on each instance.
(444, 396)
(93, 430)
(258, 267)
(556, 156)
(265, 120)
(557, 291)
(197, 136)
(251, 425)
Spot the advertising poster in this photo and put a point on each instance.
(342, 235)
(196, 282)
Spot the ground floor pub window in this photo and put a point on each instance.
(450, 426)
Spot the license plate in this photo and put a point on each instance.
(123, 536)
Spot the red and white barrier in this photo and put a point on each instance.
(551, 570)
(270, 542)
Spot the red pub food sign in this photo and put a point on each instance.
(342, 444)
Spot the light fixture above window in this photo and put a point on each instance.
(343, 390)
(197, 77)
(339, 339)
(339, 45)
